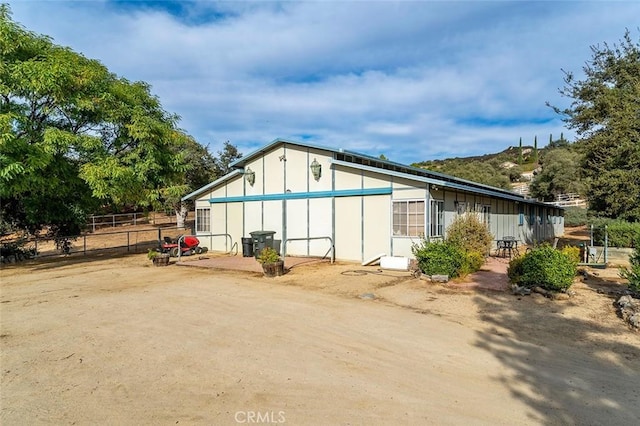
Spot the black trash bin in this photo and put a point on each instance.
(247, 247)
(261, 240)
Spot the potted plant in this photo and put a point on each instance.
(158, 259)
(271, 263)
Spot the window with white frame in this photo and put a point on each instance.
(437, 218)
(408, 218)
(203, 220)
(461, 207)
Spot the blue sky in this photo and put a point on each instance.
(414, 81)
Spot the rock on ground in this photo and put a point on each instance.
(629, 309)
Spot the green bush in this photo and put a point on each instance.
(619, 232)
(473, 261)
(633, 274)
(575, 216)
(544, 266)
(572, 252)
(439, 258)
(470, 234)
(514, 271)
(472, 237)
(268, 256)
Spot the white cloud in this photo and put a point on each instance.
(412, 80)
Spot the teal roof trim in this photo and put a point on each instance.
(303, 195)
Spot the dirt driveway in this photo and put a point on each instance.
(117, 341)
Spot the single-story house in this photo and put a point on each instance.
(315, 197)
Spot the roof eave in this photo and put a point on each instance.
(240, 162)
(213, 184)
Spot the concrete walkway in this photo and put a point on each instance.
(239, 263)
(492, 276)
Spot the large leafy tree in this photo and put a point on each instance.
(74, 136)
(200, 170)
(605, 113)
(560, 175)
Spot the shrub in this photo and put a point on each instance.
(619, 232)
(546, 267)
(514, 271)
(470, 234)
(633, 274)
(473, 261)
(575, 216)
(268, 255)
(439, 258)
(572, 252)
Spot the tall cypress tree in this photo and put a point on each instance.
(535, 150)
(520, 159)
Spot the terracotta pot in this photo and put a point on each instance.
(273, 269)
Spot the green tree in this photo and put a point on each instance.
(515, 174)
(202, 165)
(485, 172)
(633, 272)
(225, 157)
(200, 169)
(520, 158)
(605, 113)
(74, 136)
(558, 143)
(534, 155)
(560, 175)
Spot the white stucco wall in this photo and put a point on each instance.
(320, 225)
(376, 225)
(348, 235)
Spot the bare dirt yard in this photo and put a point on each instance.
(110, 339)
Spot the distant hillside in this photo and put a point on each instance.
(502, 169)
(509, 155)
(510, 169)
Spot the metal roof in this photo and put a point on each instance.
(375, 164)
